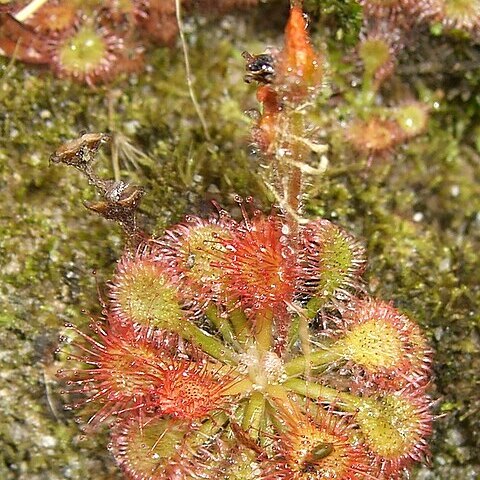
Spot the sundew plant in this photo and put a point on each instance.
(248, 347)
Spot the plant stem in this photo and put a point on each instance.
(207, 430)
(29, 10)
(223, 325)
(242, 386)
(206, 342)
(313, 306)
(240, 325)
(347, 401)
(254, 412)
(264, 330)
(316, 359)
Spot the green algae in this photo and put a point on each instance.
(418, 213)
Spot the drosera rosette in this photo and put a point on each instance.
(251, 372)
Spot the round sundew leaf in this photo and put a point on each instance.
(333, 262)
(83, 51)
(144, 292)
(383, 347)
(374, 53)
(150, 450)
(395, 427)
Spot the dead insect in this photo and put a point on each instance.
(260, 68)
(319, 452)
(80, 151)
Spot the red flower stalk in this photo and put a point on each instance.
(287, 76)
(317, 448)
(265, 131)
(122, 371)
(383, 347)
(333, 261)
(395, 427)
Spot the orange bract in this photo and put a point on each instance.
(299, 67)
